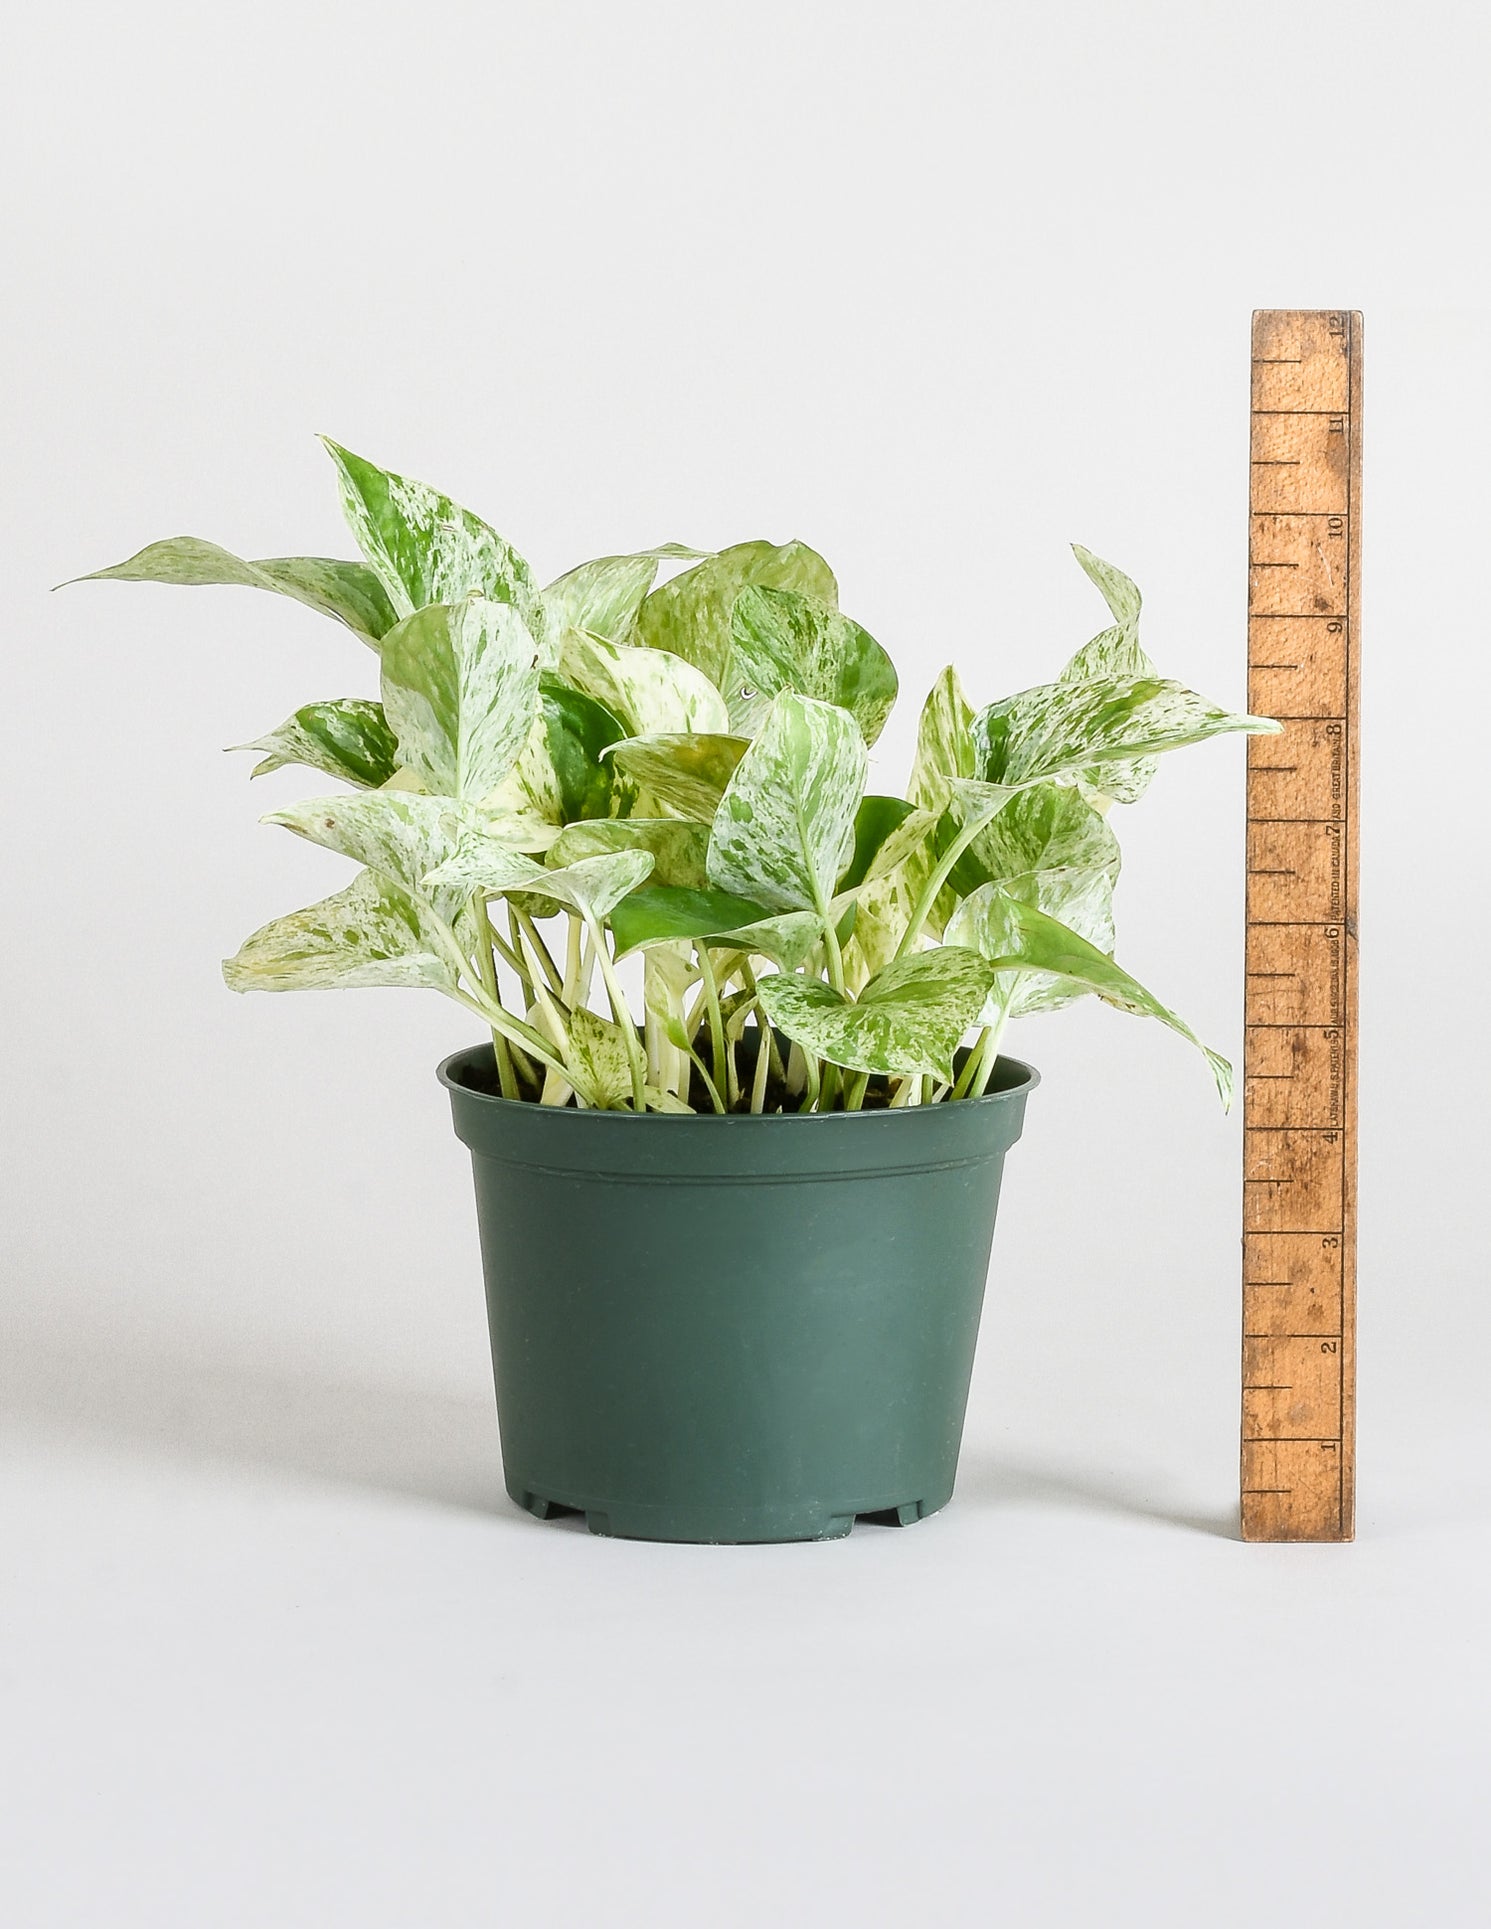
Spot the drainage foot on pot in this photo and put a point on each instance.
(539, 1507)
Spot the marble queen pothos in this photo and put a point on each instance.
(553, 779)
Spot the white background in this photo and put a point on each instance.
(937, 288)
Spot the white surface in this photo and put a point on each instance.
(937, 289)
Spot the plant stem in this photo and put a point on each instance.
(573, 961)
(540, 951)
(507, 1077)
(835, 956)
(810, 1099)
(923, 908)
(716, 1022)
(621, 1012)
(763, 1062)
(990, 1056)
(854, 1092)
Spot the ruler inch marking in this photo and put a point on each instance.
(1299, 1072)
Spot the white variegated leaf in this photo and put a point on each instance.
(1117, 590)
(682, 772)
(428, 549)
(592, 886)
(944, 743)
(348, 591)
(402, 836)
(596, 1058)
(605, 595)
(909, 1018)
(678, 848)
(1048, 827)
(1115, 652)
(372, 933)
(690, 616)
(784, 829)
(650, 692)
(1014, 935)
(348, 738)
(1081, 900)
(783, 641)
(1056, 730)
(460, 690)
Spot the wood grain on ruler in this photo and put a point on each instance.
(1299, 1054)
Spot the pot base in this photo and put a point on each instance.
(706, 1526)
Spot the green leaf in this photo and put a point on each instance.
(426, 548)
(784, 829)
(604, 596)
(909, 1018)
(348, 591)
(681, 772)
(460, 689)
(678, 849)
(1018, 936)
(651, 692)
(690, 616)
(372, 933)
(348, 738)
(783, 641)
(664, 914)
(875, 822)
(595, 1055)
(1058, 729)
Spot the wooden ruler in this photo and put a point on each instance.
(1299, 1051)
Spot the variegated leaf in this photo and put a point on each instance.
(372, 933)
(883, 908)
(887, 831)
(348, 591)
(944, 743)
(1048, 827)
(1115, 652)
(348, 738)
(1117, 590)
(428, 549)
(1057, 729)
(678, 848)
(650, 692)
(604, 596)
(783, 641)
(460, 689)
(402, 836)
(595, 1056)
(909, 1018)
(661, 914)
(592, 886)
(1015, 935)
(561, 774)
(690, 616)
(684, 773)
(784, 829)
(1081, 900)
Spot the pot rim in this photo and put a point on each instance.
(1026, 1079)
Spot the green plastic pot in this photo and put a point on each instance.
(733, 1329)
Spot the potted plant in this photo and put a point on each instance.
(739, 1123)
